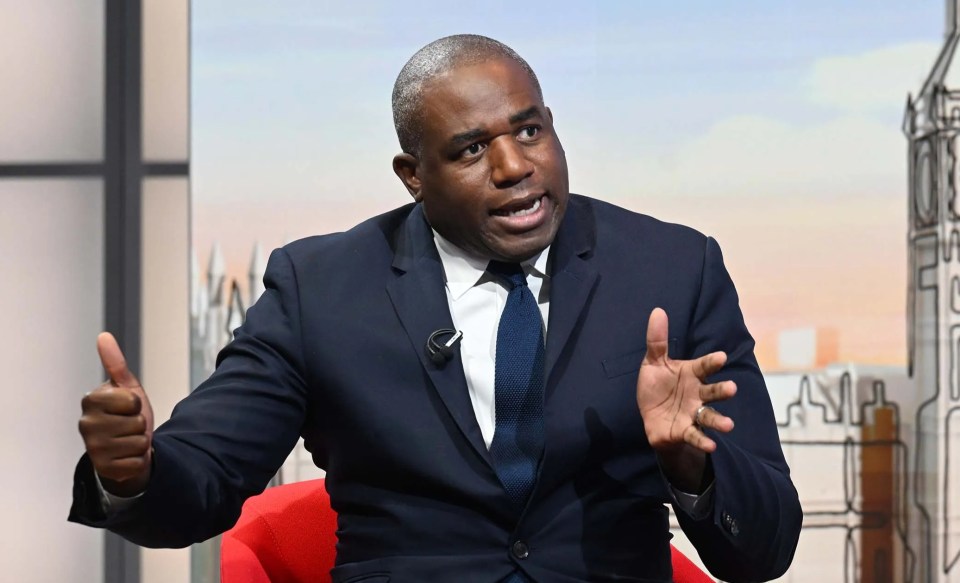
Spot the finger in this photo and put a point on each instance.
(114, 362)
(717, 391)
(699, 440)
(112, 425)
(112, 400)
(126, 447)
(121, 470)
(104, 450)
(713, 419)
(657, 330)
(708, 364)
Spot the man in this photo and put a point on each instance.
(531, 451)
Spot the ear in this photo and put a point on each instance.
(550, 115)
(407, 167)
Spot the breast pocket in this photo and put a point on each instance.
(629, 363)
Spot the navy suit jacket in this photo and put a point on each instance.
(335, 351)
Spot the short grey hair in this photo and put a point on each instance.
(436, 58)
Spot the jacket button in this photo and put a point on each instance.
(520, 550)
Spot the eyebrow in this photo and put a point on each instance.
(473, 135)
(467, 137)
(525, 115)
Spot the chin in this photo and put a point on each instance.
(522, 252)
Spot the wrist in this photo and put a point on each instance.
(125, 488)
(685, 467)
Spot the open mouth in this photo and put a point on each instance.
(521, 210)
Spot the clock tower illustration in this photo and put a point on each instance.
(932, 127)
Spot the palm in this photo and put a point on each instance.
(670, 392)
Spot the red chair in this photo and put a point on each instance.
(288, 534)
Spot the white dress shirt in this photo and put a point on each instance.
(476, 301)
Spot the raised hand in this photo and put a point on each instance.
(670, 393)
(117, 424)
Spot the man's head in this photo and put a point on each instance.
(479, 149)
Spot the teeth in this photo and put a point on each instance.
(527, 211)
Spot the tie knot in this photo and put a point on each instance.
(511, 273)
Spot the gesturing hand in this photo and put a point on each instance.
(669, 393)
(117, 424)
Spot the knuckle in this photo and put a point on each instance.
(141, 443)
(716, 420)
(95, 447)
(95, 398)
(111, 399)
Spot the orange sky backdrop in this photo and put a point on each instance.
(820, 262)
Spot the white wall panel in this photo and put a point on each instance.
(165, 316)
(51, 269)
(51, 80)
(166, 46)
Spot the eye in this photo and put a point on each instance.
(529, 133)
(473, 150)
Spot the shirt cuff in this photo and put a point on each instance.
(111, 503)
(696, 506)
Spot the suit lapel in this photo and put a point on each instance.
(572, 281)
(420, 300)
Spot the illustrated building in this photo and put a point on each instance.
(842, 437)
(932, 126)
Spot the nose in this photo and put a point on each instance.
(509, 163)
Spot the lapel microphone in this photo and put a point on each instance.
(440, 353)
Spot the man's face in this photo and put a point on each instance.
(492, 175)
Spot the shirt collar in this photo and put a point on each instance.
(463, 270)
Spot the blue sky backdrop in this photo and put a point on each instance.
(639, 76)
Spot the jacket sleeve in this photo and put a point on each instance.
(752, 532)
(226, 440)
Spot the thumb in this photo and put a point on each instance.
(114, 362)
(657, 343)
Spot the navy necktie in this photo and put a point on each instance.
(518, 386)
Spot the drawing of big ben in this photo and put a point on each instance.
(932, 127)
